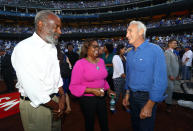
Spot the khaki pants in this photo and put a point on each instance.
(38, 119)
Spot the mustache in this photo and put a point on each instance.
(53, 38)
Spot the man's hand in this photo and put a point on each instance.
(171, 78)
(54, 107)
(146, 111)
(126, 100)
(61, 105)
(58, 113)
(178, 78)
(57, 108)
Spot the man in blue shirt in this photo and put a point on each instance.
(146, 78)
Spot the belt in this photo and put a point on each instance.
(143, 92)
(27, 98)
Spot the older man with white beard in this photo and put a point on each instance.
(37, 68)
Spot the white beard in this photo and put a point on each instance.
(51, 40)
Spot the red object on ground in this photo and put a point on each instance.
(9, 104)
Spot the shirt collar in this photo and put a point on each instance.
(142, 46)
(41, 42)
(171, 49)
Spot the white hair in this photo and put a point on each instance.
(42, 16)
(140, 26)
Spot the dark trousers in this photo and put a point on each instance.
(137, 101)
(92, 105)
(65, 86)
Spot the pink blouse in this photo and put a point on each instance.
(88, 75)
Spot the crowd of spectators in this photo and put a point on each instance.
(6, 28)
(171, 22)
(122, 27)
(66, 4)
(184, 40)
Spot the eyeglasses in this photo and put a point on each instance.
(95, 46)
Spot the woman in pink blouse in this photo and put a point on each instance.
(88, 82)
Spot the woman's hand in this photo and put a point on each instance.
(95, 91)
(110, 92)
(123, 75)
(98, 92)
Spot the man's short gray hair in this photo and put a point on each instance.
(140, 26)
(42, 16)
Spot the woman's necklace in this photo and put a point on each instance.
(97, 67)
(95, 62)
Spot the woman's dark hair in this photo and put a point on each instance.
(119, 47)
(85, 46)
(69, 44)
(109, 47)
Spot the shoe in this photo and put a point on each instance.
(185, 103)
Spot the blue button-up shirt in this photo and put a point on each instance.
(146, 71)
